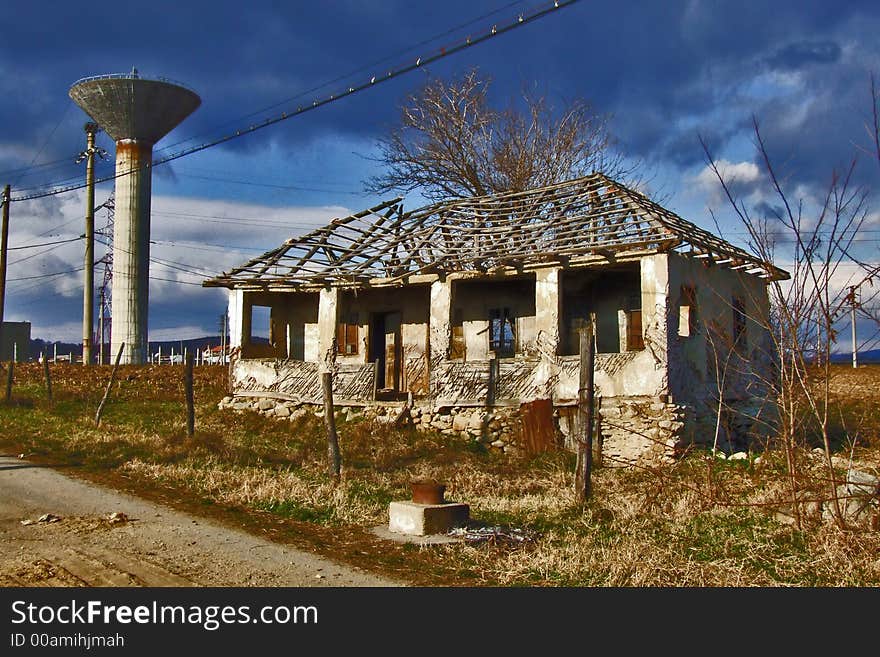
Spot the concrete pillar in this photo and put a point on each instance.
(131, 250)
(548, 309)
(654, 272)
(236, 318)
(623, 329)
(328, 317)
(440, 322)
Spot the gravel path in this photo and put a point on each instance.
(149, 545)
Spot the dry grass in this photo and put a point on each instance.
(701, 522)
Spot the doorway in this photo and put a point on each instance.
(385, 348)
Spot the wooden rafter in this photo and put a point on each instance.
(590, 215)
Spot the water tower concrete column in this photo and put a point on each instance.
(131, 250)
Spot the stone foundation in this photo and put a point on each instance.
(633, 429)
(636, 429)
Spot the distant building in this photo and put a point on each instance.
(15, 340)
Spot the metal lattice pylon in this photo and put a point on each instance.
(104, 309)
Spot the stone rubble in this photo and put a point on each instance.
(632, 430)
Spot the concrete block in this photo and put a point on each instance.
(423, 519)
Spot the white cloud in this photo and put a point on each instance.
(192, 239)
(731, 172)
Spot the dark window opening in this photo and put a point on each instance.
(502, 335)
(457, 347)
(261, 324)
(688, 323)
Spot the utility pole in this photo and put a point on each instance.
(4, 244)
(89, 265)
(853, 305)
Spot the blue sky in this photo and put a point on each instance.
(666, 72)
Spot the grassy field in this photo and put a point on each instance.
(700, 522)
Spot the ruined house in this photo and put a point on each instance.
(471, 307)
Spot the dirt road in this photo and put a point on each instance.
(147, 545)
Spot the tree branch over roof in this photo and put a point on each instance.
(452, 144)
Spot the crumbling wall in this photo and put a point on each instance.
(708, 366)
(299, 381)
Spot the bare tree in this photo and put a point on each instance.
(451, 143)
(806, 309)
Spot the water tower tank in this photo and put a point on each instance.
(136, 112)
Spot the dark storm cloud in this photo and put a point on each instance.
(667, 72)
(798, 55)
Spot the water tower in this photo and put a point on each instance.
(136, 112)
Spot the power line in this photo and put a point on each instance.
(37, 255)
(174, 280)
(441, 53)
(361, 69)
(57, 273)
(34, 246)
(46, 142)
(202, 246)
(170, 264)
(270, 185)
(241, 221)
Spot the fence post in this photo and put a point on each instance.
(583, 484)
(48, 378)
(330, 424)
(109, 386)
(9, 376)
(190, 406)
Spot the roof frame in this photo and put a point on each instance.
(592, 215)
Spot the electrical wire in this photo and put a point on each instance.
(34, 246)
(57, 273)
(420, 62)
(269, 185)
(340, 78)
(46, 142)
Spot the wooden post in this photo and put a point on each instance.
(109, 386)
(190, 406)
(48, 378)
(330, 424)
(9, 376)
(89, 261)
(492, 382)
(4, 245)
(583, 485)
(375, 379)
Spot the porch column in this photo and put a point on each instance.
(328, 309)
(547, 311)
(236, 318)
(547, 314)
(440, 321)
(654, 271)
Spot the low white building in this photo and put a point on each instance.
(477, 304)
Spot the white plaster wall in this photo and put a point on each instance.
(311, 352)
(235, 312)
(691, 376)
